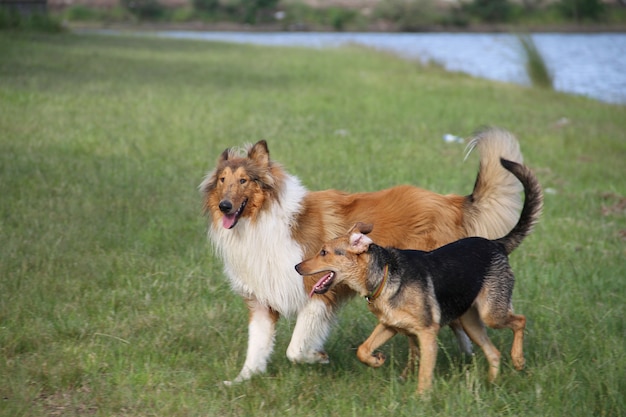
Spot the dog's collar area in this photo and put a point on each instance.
(374, 295)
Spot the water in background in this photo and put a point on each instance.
(592, 65)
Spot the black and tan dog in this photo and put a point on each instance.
(416, 292)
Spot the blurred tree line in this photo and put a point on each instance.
(403, 15)
(245, 11)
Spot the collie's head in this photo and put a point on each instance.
(241, 184)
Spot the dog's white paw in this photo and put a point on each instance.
(309, 357)
(235, 381)
(244, 375)
(322, 357)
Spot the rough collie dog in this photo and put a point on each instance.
(263, 221)
(416, 292)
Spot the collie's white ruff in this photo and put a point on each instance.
(259, 258)
(259, 261)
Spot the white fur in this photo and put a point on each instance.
(259, 258)
(261, 331)
(494, 217)
(310, 333)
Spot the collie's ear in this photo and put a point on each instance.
(359, 243)
(259, 153)
(208, 183)
(224, 155)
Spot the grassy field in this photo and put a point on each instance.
(112, 303)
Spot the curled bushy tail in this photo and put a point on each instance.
(494, 205)
(533, 204)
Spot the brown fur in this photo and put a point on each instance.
(429, 219)
(248, 196)
(415, 292)
(438, 218)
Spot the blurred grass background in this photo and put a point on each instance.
(112, 303)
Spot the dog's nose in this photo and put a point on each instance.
(225, 206)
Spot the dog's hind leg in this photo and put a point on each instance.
(476, 330)
(379, 336)
(261, 331)
(311, 330)
(517, 323)
(496, 310)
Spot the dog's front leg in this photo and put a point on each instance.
(261, 332)
(428, 357)
(311, 330)
(379, 336)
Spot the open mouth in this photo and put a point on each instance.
(230, 220)
(323, 285)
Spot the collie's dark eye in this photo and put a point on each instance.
(222, 179)
(323, 252)
(243, 181)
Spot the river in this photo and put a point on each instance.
(592, 65)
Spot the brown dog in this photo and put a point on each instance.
(416, 292)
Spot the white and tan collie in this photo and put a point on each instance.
(263, 222)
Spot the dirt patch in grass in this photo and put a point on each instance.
(67, 403)
(615, 204)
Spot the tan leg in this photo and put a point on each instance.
(475, 329)
(414, 352)
(517, 323)
(366, 354)
(428, 358)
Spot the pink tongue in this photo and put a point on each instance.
(319, 284)
(228, 220)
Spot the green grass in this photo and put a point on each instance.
(112, 303)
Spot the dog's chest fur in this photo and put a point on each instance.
(259, 256)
